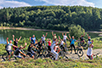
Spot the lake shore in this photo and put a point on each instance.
(21, 28)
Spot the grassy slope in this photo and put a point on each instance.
(48, 63)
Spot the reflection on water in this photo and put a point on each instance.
(2, 40)
(24, 33)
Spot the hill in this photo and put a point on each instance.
(52, 17)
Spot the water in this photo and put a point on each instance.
(24, 33)
(28, 33)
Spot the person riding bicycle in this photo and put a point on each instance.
(40, 46)
(18, 52)
(82, 39)
(33, 39)
(72, 41)
(43, 39)
(53, 48)
(8, 48)
(30, 51)
(15, 41)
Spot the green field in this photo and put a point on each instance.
(48, 63)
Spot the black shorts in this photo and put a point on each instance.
(49, 48)
(9, 52)
(65, 41)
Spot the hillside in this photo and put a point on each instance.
(52, 17)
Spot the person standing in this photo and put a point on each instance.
(16, 41)
(65, 37)
(33, 39)
(43, 39)
(72, 41)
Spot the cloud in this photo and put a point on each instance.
(69, 2)
(4, 3)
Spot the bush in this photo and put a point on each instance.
(76, 31)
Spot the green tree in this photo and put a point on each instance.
(76, 31)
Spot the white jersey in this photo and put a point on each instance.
(89, 51)
(64, 37)
(43, 38)
(9, 46)
(62, 42)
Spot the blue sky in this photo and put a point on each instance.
(22, 3)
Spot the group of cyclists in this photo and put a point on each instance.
(54, 46)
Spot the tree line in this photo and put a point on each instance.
(52, 17)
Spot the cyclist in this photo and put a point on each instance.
(33, 39)
(82, 38)
(40, 46)
(49, 44)
(65, 37)
(30, 51)
(18, 52)
(62, 43)
(16, 41)
(43, 38)
(53, 50)
(8, 48)
(89, 39)
(89, 51)
(72, 41)
(54, 36)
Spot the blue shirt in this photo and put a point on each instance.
(72, 41)
(33, 39)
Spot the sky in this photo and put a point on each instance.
(23, 3)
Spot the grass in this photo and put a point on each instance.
(48, 63)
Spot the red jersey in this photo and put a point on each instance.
(49, 43)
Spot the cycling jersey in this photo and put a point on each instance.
(43, 38)
(17, 51)
(49, 43)
(30, 48)
(8, 46)
(62, 42)
(72, 41)
(33, 40)
(15, 43)
(64, 37)
(39, 44)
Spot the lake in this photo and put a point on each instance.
(28, 33)
(24, 33)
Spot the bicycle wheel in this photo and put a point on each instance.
(4, 57)
(80, 52)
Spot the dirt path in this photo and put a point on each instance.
(75, 56)
(20, 28)
(94, 31)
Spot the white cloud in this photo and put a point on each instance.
(69, 2)
(4, 3)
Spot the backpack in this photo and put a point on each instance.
(6, 46)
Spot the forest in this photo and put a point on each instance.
(52, 17)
